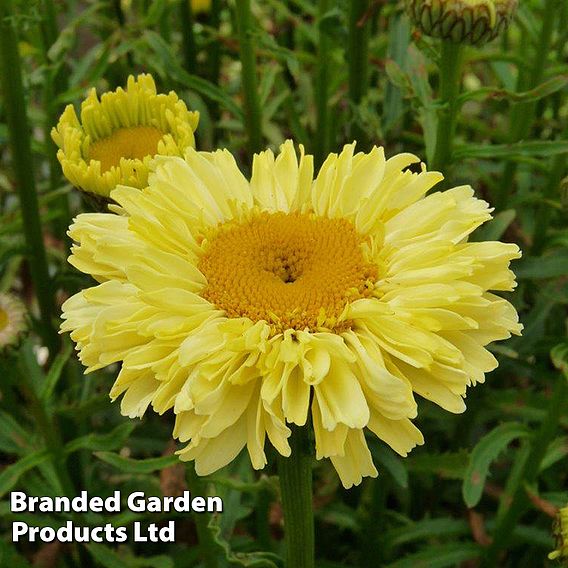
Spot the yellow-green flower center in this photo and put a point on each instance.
(292, 270)
(134, 142)
(4, 319)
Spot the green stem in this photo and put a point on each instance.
(321, 146)
(544, 211)
(451, 61)
(529, 474)
(52, 86)
(522, 115)
(15, 108)
(189, 48)
(206, 542)
(253, 114)
(296, 488)
(214, 59)
(358, 56)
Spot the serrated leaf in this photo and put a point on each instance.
(483, 455)
(128, 465)
(246, 559)
(113, 440)
(543, 90)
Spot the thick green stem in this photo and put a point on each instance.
(528, 475)
(206, 542)
(253, 114)
(296, 487)
(53, 85)
(358, 56)
(451, 61)
(15, 108)
(321, 146)
(214, 58)
(522, 114)
(189, 48)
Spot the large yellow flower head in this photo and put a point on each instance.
(246, 305)
(118, 135)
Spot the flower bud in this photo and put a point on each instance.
(473, 22)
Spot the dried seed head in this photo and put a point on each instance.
(473, 22)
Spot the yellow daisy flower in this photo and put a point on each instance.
(12, 320)
(246, 305)
(119, 134)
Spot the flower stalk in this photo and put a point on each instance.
(206, 542)
(253, 113)
(19, 131)
(358, 55)
(296, 487)
(189, 47)
(451, 61)
(322, 94)
(522, 115)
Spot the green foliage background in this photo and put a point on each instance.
(484, 487)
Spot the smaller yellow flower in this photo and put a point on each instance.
(473, 22)
(561, 532)
(12, 320)
(119, 134)
(200, 6)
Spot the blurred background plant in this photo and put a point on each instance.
(486, 486)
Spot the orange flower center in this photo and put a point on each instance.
(133, 143)
(293, 270)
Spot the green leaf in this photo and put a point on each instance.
(484, 453)
(176, 72)
(113, 440)
(128, 465)
(559, 356)
(448, 466)
(439, 556)
(48, 386)
(428, 528)
(13, 437)
(10, 476)
(494, 229)
(539, 267)
(519, 149)
(556, 451)
(543, 90)
(105, 556)
(10, 557)
(248, 559)
(391, 462)
(108, 558)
